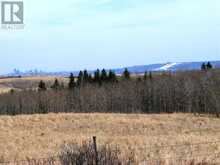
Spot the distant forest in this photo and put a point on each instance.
(154, 92)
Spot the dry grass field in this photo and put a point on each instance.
(6, 84)
(148, 136)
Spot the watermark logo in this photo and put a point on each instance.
(12, 14)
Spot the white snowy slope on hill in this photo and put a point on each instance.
(167, 66)
(138, 69)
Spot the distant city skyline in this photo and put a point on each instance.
(73, 35)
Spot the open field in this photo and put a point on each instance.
(6, 84)
(37, 136)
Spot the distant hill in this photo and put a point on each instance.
(139, 69)
(170, 66)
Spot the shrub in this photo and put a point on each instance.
(74, 154)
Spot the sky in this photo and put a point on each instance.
(84, 34)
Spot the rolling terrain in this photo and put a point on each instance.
(24, 83)
(138, 69)
(168, 137)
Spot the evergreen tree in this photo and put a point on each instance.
(80, 78)
(85, 76)
(97, 78)
(150, 76)
(71, 84)
(126, 74)
(203, 67)
(42, 86)
(104, 75)
(209, 66)
(56, 85)
(145, 75)
(112, 76)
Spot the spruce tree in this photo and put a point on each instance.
(56, 85)
(85, 76)
(112, 76)
(42, 86)
(80, 78)
(126, 74)
(71, 84)
(209, 66)
(104, 76)
(203, 67)
(150, 76)
(145, 75)
(97, 78)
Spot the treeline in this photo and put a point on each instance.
(153, 92)
(84, 78)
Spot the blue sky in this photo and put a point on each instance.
(79, 34)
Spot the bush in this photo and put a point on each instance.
(74, 154)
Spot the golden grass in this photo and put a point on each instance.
(19, 83)
(37, 136)
(4, 89)
(31, 78)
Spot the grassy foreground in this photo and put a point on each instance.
(37, 136)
